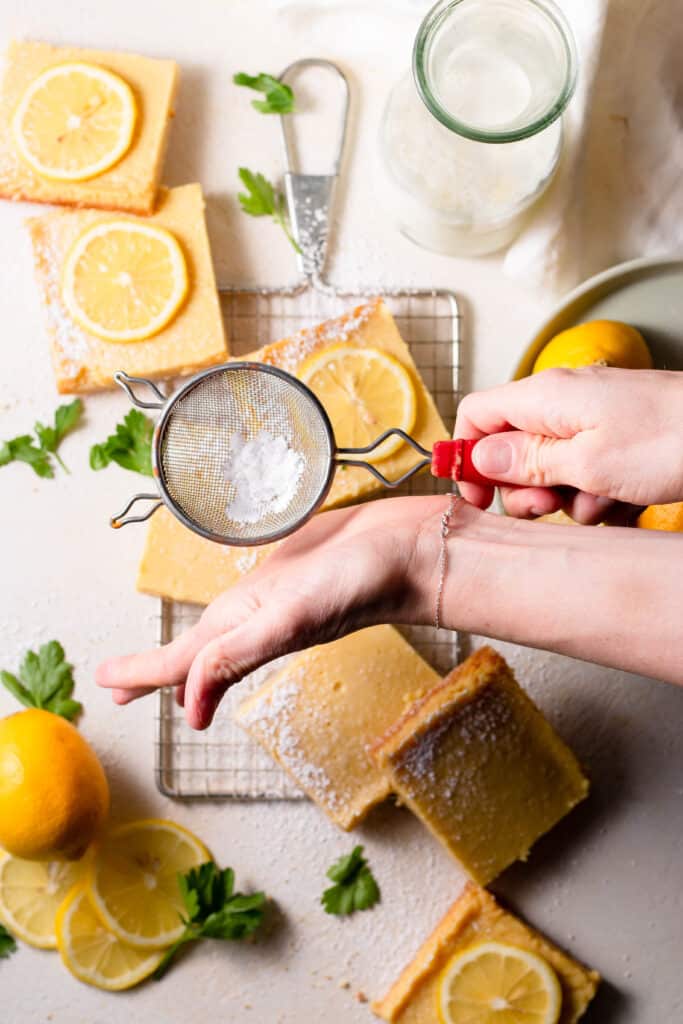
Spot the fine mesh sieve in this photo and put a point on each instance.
(195, 442)
(218, 413)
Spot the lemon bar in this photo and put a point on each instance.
(194, 338)
(368, 326)
(131, 184)
(478, 763)
(474, 918)
(318, 715)
(179, 564)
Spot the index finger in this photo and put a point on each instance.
(548, 403)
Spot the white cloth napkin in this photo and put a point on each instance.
(619, 190)
(618, 193)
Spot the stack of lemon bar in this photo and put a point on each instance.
(126, 278)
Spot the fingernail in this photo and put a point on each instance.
(492, 458)
(537, 512)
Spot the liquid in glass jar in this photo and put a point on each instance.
(472, 137)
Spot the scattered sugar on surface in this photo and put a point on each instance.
(264, 473)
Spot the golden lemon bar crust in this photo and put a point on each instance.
(477, 917)
(179, 564)
(193, 339)
(370, 325)
(478, 763)
(129, 185)
(318, 715)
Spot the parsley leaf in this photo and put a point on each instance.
(262, 199)
(214, 910)
(129, 446)
(66, 418)
(7, 943)
(24, 449)
(45, 680)
(355, 886)
(279, 98)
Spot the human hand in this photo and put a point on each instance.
(612, 435)
(343, 570)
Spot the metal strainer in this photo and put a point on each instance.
(200, 425)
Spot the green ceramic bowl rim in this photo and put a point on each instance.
(581, 296)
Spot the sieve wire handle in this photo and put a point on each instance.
(310, 196)
(447, 460)
(122, 519)
(378, 475)
(124, 381)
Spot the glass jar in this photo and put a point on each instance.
(470, 140)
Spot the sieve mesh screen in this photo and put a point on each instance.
(194, 446)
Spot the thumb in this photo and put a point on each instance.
(529, 460)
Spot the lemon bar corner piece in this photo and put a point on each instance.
(193, 339)
(129, 185)
(368, 325)
(481, 767)
(477, 917)
(179, 565)
(319, 714)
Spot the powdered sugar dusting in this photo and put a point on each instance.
(270, 719)
(71, 343)
(246, 560)
(290, 353)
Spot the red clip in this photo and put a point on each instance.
(453, 459)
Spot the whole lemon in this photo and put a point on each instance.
(597, 343)
(54, 796)
(662, 517)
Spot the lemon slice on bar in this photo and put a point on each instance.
(74, 121)
(30, 895)
(134, 881)
(493, 983)
(364, 392)
(95, 955)
(124, 281)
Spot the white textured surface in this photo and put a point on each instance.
(608, 883)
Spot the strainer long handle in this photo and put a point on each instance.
(447, 460)
(310, 196)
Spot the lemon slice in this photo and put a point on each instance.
(124, 281)
(95, 955)
(364, 392)
(74, 121)
(134, 880)
(493, 983)
(30, 895)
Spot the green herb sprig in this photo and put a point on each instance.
(37, 452)
(355, 887)
(129, 446)
(279, 98)
(262, 199)
(45, 680)
(214, 910)
(8, 944)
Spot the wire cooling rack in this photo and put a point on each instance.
(224, 762)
